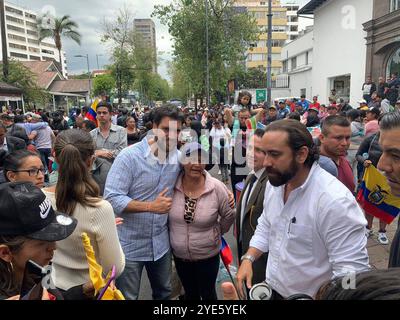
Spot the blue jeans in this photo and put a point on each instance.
(159, 273)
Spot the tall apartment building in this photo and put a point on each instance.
(292, 20)
(147, 29)
(257, 55)
(23, 38)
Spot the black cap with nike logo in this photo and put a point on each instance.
(26, 211)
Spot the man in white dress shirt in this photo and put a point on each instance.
(311, 226)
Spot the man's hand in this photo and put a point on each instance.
(119, 221)
(162, 204)
(367, 163)
(244, 274)
(104, 154)
(13, 298)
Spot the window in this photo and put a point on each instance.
(394, 5)
(278, 43)
(307, 58)
(261, 44)
(260, 15)
(279, 28)
(14, 37)
(285, 66)
(294, 63)
(31, 24)
(18, 55)
(30, 16)
(48, 45)
(34, 58)
(32, 33)
(12, 10)
(33, 41)
(257, 57)
(10, 27)
(279, 14)
(17, 46)
(47, 52)
(34, 50)
(15, 20)
(303, 92)
(276, 57)
(394, 63)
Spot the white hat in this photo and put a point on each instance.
(362, 101)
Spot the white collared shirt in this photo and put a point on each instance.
(326, 240)
(258, 175)
(4, 146)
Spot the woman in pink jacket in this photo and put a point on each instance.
(199, 216)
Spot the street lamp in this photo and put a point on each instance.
(269, 63)
(90, 80)
(207, 57)
(97, 58)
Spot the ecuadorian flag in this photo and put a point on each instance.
(225, 253)
(92, 113)
(375, 198)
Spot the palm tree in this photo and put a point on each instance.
(62, 27)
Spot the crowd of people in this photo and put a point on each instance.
(140, 183)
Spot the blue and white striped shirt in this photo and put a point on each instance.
(138, 175)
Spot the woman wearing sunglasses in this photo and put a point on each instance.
(199, 216)
(24, 165)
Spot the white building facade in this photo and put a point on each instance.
(292, 21)
(23, 38)
(339, 47)
(297, 60)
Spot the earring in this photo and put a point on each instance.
(11, 267)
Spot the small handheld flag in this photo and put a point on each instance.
(375, 197)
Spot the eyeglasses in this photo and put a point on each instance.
(33, 172)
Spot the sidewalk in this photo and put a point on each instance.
(378, 253)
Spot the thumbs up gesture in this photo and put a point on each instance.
(162, 204)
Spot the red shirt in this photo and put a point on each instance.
(345, 174)
(315, 105)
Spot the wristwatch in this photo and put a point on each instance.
(248, 257)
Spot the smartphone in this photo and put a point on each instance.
(112, 278)
(31, 288)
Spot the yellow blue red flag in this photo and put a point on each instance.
(92, 113)
(375, 197)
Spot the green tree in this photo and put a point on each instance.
(57, 28)
(23, 78)
(103, 84)
(180, 84)
(252, 78)
(118, 34)
(230, 34)
(82, 76)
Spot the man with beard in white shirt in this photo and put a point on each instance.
(311, 227)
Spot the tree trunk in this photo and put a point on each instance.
(119, 76)
(61, 63)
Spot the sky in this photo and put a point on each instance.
(89, 15)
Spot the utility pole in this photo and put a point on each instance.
(89, 74)
(4, 40)
(207, 57)
(269, 45)
(97, 58)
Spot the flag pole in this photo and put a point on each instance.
(231, 277)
